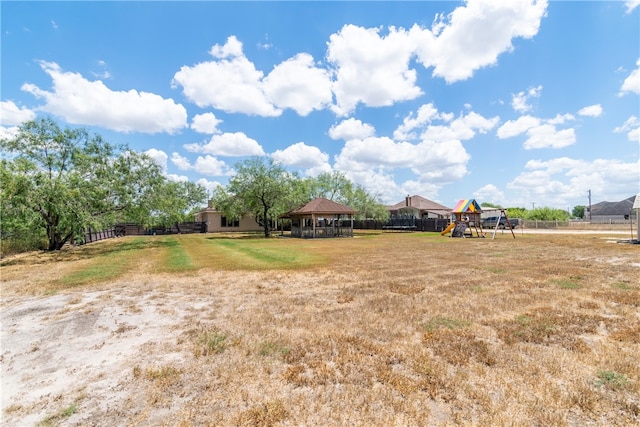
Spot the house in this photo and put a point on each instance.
(418, 207)
(217, 222)
(612, 212)
(321, 218)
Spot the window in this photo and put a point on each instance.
(224, 222)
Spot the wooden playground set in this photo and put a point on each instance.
(468, 218)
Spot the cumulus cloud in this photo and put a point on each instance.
(547, 136)
(632, 127)
(425, 114)
(83, 102)
(475, 34)
(370, 68)
(516, 127)
(489, 193)
(591, 111)
(181, 162)
(299, 85)
(519, 101)
(159, 156)
(231, 82)
(350, 129)
(461, 128)
(564, 181)
(210, 165)
(228, 144)
(205, 123)
(13, 115)
(632, 82)
(540, 133)
(303, 156)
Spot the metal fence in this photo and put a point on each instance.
(121, 230)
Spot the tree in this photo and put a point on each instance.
(578, 211)
(260, 188)
(337, 187)
(64, 181)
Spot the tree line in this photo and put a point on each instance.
(58, 183)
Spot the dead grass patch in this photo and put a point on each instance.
(335, 332)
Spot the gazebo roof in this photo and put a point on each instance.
(467, 206)
(321, 206)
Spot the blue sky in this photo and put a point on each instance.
(521, 103)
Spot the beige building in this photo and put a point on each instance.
(217, 222)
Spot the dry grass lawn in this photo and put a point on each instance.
(404, 329)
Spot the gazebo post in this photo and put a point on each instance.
(313, 224)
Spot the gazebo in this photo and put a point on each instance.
(321, 218)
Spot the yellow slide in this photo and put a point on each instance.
(448, 229)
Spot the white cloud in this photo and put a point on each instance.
(210, 186)
(473, 35)
(631, 5)
(462, 128)
(351, 129)
(564, 182)
(516, 127)
(228, 144)
(489, 193)
(12, 115)
(83, 102)
(230, 82)
(210, 165)
(519, 101)
(591, 111)
(540, 133)
(632, 127)
(426, 113)
(301, 155)
(547, 136)
(177, 178)
(299, 85)
(8, 132)
(181, 162)
(632, 82)
(370, 68)
(205, 123)
(159, 156)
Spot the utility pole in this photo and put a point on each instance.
(589, 193)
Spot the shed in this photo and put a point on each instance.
(321, 218)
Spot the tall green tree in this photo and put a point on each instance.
(578, 211)
(337, 187)
(260, 188)
(64, 181)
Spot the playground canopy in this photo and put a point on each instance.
(467, 206)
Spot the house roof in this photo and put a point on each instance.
(322, 206)
(422, 204)
(613, 208)
(467, 206)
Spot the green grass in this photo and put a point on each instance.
(265, 254)
(52, 420)
(572, 282)
(612, 380)
(105, 264)
(436, 323)
(176, 257)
